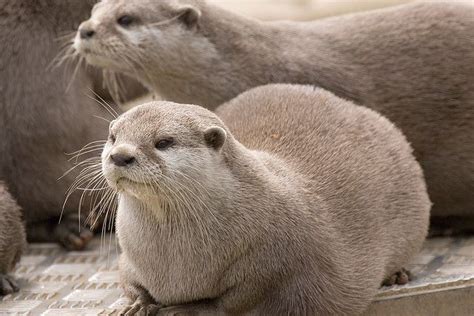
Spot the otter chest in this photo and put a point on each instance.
(167, 263)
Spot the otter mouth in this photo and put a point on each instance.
(92, 56)
(128, 181)
(139, 190)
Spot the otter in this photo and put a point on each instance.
(12, 240)
(412, 63)
(263, 210)
(41, 119)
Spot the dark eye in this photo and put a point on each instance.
(125, 20)
(164, 143)
(112, 138)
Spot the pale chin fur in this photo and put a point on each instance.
(88, 51)
(123, 184)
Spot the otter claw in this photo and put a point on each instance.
(401, 277)
(141, 308)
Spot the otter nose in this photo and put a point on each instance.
(86, 33)
(122, 160)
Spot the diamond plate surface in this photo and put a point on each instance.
(56, 282)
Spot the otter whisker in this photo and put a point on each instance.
(100, 145)
(74, 74)
(87, 162)
(65, 53)
(89, 151)
(107, 208)
(93, 143)
(110, 83)
(109, 108)
(91, 190)
(83, 176)
(68, 37)
(102, 118)
(99, 207)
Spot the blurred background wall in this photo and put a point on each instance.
(302, 9)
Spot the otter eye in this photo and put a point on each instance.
(125, 20)
(164, 144)
(112, 138)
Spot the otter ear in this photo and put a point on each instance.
(189, 15)
(215, 137)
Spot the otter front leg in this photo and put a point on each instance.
(8, 285)
(66, 232)
(141, 302)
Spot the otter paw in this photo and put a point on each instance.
(401, 277)
(140, 308)
(67, 233)
(8, 285)
(190, 310)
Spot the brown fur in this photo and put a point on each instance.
(412, 63)
(12, 239)
(40, 119)
(271, 211)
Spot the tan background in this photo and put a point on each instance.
(302, 9)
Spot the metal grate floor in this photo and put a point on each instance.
(56, 282)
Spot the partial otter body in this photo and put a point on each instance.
(12, 240)
(40, 119)
(297, 202)
(412, 63)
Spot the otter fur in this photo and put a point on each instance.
(12, 240)
(290, 201)
(413, 63)
(41, 119)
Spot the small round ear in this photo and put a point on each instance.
(189, 15)
(215, 137)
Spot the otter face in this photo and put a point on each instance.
(160, 148)
(128, 35)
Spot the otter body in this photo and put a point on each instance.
(12, 239)
(40, 118)
(412, 63)
(269, 211)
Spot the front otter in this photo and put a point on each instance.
(265, 210)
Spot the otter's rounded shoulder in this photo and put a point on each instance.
(272, 94)
(297, 98)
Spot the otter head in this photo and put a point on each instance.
(134, 36)
(160, 149)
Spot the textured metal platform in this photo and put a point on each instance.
(55, 282)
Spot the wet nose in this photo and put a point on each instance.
(122, 160)
(86, 33)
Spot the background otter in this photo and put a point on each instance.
(40, 119)
(270, 211)
(412, 63)
(12, 239)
